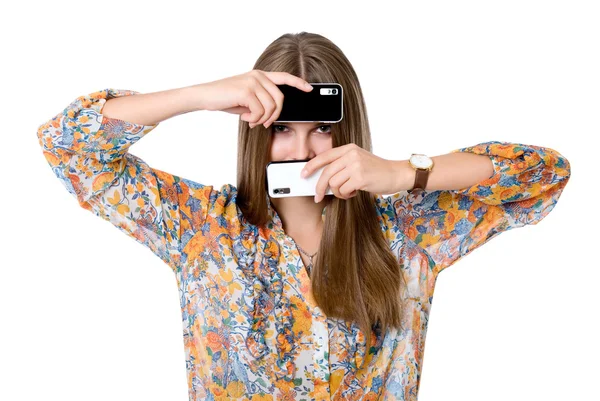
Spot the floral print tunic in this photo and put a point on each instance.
(251, 328)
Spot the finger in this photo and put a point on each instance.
(279, 78)
(348, 189)
(324, 180)
(284, 78)
(267, 102)
(277, 96)
(321, 186)
(335, 191)
(338, 181)
(237, 110)
(256, 109)
(326, 157)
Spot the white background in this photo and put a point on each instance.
(90, 314)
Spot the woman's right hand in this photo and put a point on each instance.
(254, 95)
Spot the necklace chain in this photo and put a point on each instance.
(309, 267)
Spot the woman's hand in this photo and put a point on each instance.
(253, 94)
(350, 168)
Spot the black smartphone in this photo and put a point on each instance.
(324, 103)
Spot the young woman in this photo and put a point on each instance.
(298, 298)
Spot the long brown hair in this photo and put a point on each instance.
(355, 276)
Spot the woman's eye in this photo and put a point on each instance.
(326, 126)
(276, 128)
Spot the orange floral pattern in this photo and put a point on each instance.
(251, 328)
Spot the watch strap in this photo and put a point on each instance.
(421, 177)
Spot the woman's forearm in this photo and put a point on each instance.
(152, 108)
(450, 171)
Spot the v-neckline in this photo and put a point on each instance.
(278, 226)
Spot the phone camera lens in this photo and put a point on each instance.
(276, 191)
(334, 91)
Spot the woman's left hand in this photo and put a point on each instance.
(349, 169)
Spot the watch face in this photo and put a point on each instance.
(421, 161)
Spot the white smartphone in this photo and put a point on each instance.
(284, 180)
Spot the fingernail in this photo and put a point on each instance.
(316, 201)
(309, 86)
(303, 174)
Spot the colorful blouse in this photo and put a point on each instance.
(251, 328)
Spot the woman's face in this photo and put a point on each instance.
(299, 141)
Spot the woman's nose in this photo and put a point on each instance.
(302, 150)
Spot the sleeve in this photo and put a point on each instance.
(448, 224)
(88, 153)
